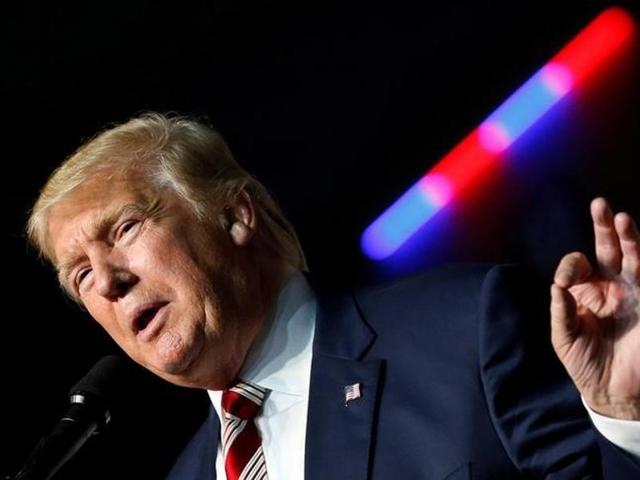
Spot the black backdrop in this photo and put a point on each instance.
(337, 108)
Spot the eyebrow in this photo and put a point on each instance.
(98, 228)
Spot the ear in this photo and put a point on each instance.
(241, 220)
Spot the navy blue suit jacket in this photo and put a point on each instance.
(459, 381)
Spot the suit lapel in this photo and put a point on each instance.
(198, 459)
(340, 436)
(216, 439)
(211, 446)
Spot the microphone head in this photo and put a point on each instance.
(103, 378)
(96, 391)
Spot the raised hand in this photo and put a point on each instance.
(595, 316)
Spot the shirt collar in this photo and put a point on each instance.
(280, 357)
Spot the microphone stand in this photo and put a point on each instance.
(85, 417)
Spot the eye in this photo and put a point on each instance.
(81, 276)
(126, 227)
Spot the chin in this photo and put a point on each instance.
(175, 370)
(172, 366)
(184, 376)
(173, 355)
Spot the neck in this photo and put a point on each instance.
(271, 275)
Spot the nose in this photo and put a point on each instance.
(112, 278)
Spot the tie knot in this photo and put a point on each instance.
(243, 400)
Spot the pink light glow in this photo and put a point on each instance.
(493, 137)
(437, 189)
(557, 78)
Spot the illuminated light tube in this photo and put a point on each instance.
(527, 105)
(398, 223)
(602, 38)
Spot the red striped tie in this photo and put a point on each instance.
(241, 444)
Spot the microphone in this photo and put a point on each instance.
(88, 413)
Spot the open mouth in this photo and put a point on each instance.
(146, 316)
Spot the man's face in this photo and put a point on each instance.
(174, 293)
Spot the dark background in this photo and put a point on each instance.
(337, 108)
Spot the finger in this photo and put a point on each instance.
(630, 246)
(564, 319)
(574, 268)
(608, 251)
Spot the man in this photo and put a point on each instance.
(193, 270)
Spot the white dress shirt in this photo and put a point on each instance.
(623, 433)
(280, 361)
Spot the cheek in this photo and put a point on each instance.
(182, 267)
(156, 269)
(104, 314)
(163, 254)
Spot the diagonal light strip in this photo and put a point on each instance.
(607, 34)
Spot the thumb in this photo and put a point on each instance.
(564, 320)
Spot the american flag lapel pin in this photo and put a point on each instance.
(352, 392)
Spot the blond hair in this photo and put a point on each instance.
(168, 151)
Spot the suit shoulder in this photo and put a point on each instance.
(456, 278)
(447, 299)
(433, 282)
